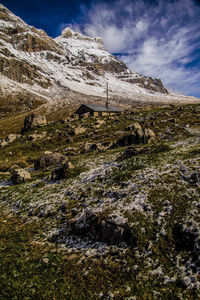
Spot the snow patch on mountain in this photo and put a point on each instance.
(31, 60)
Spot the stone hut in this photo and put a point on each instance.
(97, 110)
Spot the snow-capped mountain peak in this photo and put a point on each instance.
(30, 60)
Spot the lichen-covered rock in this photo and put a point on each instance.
(23, 72)
(20, 176)
(138, 136)
(152, 84)
(149, 136)
(35, 136)
(104, 146)
(3, 144)
(79, 130)
(34, 120)
(90, 147)
(129, 152)
(11, 137)
(103, 229)
(101, 122)
(62, 172)
(49, 161)
(127, 140)
(133, 127)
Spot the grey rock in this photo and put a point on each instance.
(138, 136)
(127, 140)
(3, 144)
(35, 136)
(79, 130)
(11, 137)
(104, 146)
(104, 230)
(129, 152)
(20, 176)
(90, 147)
(149, 136)
(33, 120)
(133, 127)
(49, 161)
(62, 172)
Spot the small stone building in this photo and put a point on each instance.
(97, 110)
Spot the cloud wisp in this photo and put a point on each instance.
(155, 38)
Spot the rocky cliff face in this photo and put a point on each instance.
(31, 60)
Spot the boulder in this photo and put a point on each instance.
(35, 136)
(62, 172)
(149, 136)
(13, 167)
(20, 176)
(97, 126)
(133, 127)
(112, 234)
(79, 130)
(127, 140)
(193, 178)
(48, 152)
(101, 122)
(11, 137)
(3, 144)
(137, 137)
(104, 146)
(34, 120)
(49, 161)
(129, 152)
(71, 151)
(140, 136)
(103, 229)
(90, 147)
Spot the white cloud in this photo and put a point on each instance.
(157, 40)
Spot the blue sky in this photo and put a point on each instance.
(155, 38)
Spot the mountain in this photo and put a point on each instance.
(69, 69)
(93, 208)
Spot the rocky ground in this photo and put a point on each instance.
(102, 208)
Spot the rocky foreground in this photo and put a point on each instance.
(102, 208)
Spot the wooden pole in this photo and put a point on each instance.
(107, 97)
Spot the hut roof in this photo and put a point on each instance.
(100, 108)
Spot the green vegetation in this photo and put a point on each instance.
(31, 269)
(153, 193)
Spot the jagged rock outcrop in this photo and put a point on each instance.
(49, 161)
(152, 84)
(34, 120)
(9, 139)
(20, 176)
(136, 136)
(102, 229)
(134, 126)
(63, 171)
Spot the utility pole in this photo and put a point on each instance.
(107, 96)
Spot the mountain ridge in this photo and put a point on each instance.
(54, 69)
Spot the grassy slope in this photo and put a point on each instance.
(33, 268)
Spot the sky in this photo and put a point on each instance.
(158, 38)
